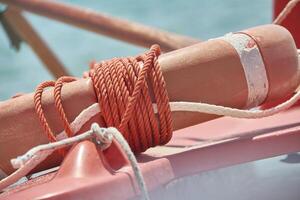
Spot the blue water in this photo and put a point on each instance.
(22, 71)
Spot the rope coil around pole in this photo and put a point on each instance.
(125, 88)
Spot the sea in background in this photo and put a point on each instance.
(22, 71)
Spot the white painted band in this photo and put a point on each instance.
(2, 174)
(254, 68)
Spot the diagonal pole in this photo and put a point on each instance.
(27, 33)
(88, 19)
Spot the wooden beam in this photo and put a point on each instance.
(99, 23)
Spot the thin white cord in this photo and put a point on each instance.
(91, 111)
(27, 161)
(233, 112)
(24, 170)
(103, 136)
(50, 147)
(284, 13)
(131, 157)
(36, 155)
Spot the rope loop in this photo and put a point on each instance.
(125, 89)
(39, 110)
(58, 102)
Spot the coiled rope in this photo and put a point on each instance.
(124, 89)
(58, 104)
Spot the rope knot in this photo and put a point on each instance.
(103, 136)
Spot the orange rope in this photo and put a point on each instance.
(58, 102)
(39, 110)
(126, 89)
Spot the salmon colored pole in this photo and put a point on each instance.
(99, 23)
(23, 28)
(211, 72)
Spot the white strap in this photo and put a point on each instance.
(253, 65)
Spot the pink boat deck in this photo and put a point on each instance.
(85, 175)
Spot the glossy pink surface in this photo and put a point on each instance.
(87, 173)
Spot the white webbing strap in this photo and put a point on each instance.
(253, 65)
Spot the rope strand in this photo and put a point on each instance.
(39, 110)
(58, 102)
(25, 163)
(286, 11)
(123, 87)
(123, 90)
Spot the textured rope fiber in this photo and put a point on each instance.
(58, 103)
(286, 11)
(124, 97)
(39, 109)
(125, 88)
(25, 163)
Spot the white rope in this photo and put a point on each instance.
(25, 163)
(233, 112)
(24, 170)
(50, 148)
(36, 155)
(284, 13)
(103, 136)
(81, 119)
(89, 112)
(131, 157)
